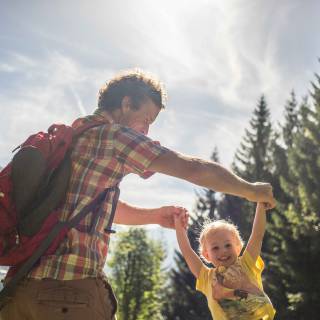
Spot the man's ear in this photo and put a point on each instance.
(126, 104)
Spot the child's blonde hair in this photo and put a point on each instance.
(210, 227)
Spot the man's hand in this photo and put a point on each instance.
(263, 207)
(166, 216)
(262, 192)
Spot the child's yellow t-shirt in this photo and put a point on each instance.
(244, 274)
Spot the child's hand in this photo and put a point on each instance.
(166, 216)
(181, 219)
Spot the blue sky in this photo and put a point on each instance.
(214, 57)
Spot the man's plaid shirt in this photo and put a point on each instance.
(101, 158)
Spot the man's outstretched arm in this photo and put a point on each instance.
(211, 175)
(131, 215)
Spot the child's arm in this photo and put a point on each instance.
(257, 233)
(193, 261)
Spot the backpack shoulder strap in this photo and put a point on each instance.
(7, 291)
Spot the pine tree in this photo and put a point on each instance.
(282, 142)
(136, 275)
(253, 162)
(253, 159)
(301, 240)
(205, 209)
(206, 203)
(291, 119)
(183, 301)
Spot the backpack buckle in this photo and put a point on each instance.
(17, 236)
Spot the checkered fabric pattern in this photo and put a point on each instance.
(101, 158)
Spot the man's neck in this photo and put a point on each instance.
(111, 117)
(114, 116)
(108, 116)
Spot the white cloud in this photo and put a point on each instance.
(4, 67)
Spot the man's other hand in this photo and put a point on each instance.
(262, 192)
(166, 216)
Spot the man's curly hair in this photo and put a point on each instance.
(134, 84)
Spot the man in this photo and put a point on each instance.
(70, 284)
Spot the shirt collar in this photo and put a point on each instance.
(104, 115)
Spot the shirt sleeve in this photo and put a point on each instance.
(203, 280)
(255, 268)
(135, 150)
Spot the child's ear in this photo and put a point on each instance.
(205, 254)
(238, 249)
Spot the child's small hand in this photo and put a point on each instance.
(181, 219)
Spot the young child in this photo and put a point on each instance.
(233, 287)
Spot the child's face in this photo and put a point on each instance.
(221, 248)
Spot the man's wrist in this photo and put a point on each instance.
(155, 216)
(249, 191)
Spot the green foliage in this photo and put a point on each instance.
(253, 162)
(275, 275)
(253, 159)
(295, 255)
(291, 124)
(183, 302)
(136, 275)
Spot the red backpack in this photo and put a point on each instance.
(32, 187)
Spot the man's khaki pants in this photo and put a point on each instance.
(48, 299)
